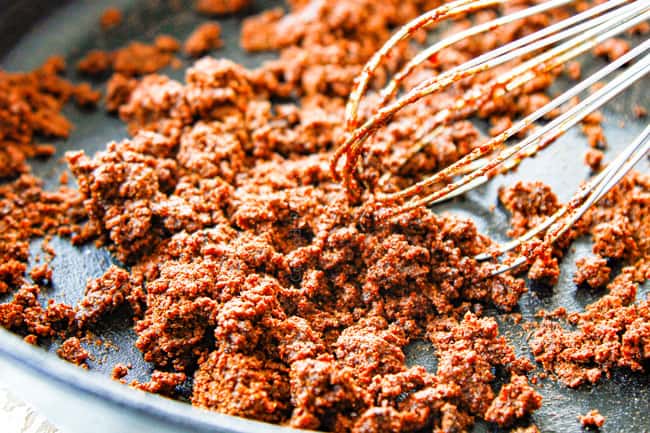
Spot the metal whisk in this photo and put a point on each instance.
(539, 52)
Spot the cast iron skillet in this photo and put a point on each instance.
(80, 401)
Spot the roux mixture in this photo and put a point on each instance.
(250, 271)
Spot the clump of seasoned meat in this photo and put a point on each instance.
(253, 273)
(592, 419)
(516, 399)
(136, 58)
(593, 271)
(162, 382)
(205, 38)
(220, 7)
(105, 294)
(31, 105)
(72, 351)
(614, 238)
(529, 204)
(594, 158)
(242, 385)
(30, 212)
(111, 17)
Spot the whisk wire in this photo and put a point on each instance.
(540, 52)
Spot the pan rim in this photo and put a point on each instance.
(92, 384)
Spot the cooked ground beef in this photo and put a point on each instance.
(592, 419)
(71, 350)
(204, 39)
(251, 271)
(593, 271)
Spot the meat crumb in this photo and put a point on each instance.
(161, 382)
(136, 58)
(111, 17)
(220, 7)
(205, 38)
(41, 274)
(167, 43)
(573, 70)
(31, 105)
(594, 159)
(516, 399)
(592, 271)
(639, 111)
(612, 49)
(72, 351)
(592, 419)
(119, 371)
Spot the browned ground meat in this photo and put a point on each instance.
(31, 105)
(592, 419)
(71, 350)
(136, 58)
(594, 158)
(119, 371)
(593, 271)
(258, 279)
(204, 39)
(220, 7)
(162, 382)
(529, 203)
(111, 17)
(104, 295)
(612, 48)
(613, 331)
(515, 400)
(41, 273)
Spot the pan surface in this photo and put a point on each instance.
(34, 29)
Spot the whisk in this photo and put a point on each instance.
(539, 52)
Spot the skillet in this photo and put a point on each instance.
(80, 401)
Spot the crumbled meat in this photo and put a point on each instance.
(111, 17)
(220, 7)
(594, 158)
(592, 419)
(118, 91)
(516, 399)
(136, 58)
(242, 385)
(119, 371)
(255, 275)
(31, 105)
(166, 43)
(612, 48)
(613, 331)
(104, 295)
(161, 382)
(592, 271)
(529, 203)
(41, 273)
(614, 238)
(204, 39)
(72, 351)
